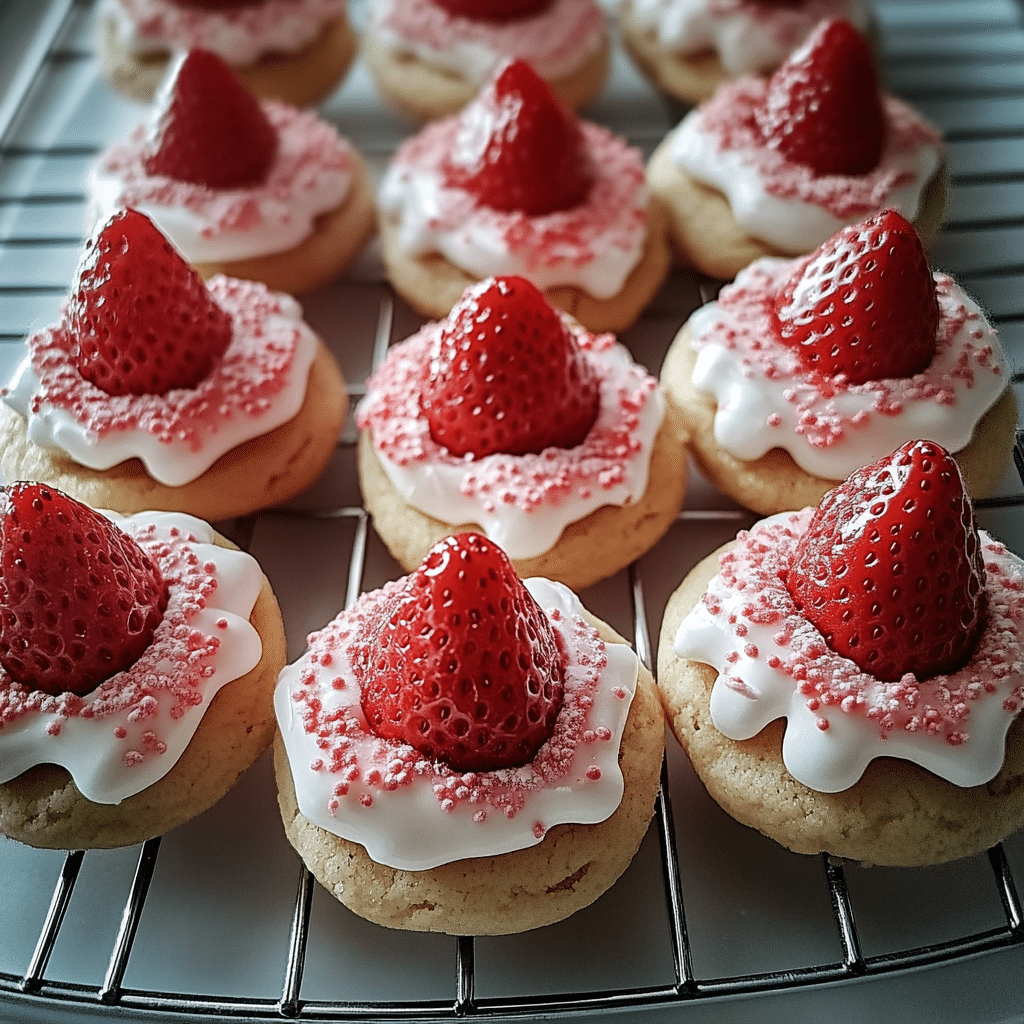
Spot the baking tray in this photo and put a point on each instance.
(711, 922)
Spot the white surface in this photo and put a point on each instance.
(217, 919)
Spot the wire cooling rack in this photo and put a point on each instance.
(711, 921)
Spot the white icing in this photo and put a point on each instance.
(407, 827)
(312, 173)
(436, 483)
(241, 36)
(171, 461)
(556, 41)
(748, 38)
(787, 223)
(107, 768)
(833, 759)
(757, 411)
(435, 218)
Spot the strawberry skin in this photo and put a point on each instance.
(890, 570)
(79, 599)
(519, 147)
(209, 129)
(142, 318)
(823, 107)
(464, 665)
(494, 10)
(506, 375)
(864, 304)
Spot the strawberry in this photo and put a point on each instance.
(823, 107)
(519, 147)
(863, 304)
(79, 599)
(142, 318)
(494, 10)
(209, 129)
(506, 375)
(890, 569)
(463, 665)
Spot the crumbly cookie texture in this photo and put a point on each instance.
(261, 472)
(424, 92)
(302, 78)
(500, 895)
(706, 236)
(587, 551)
(43, 807)
(774, 482)
(431, 284)
(898, 814)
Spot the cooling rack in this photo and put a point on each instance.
(218, 920)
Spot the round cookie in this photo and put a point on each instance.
(423, 92)
(689, 78)
(263, 471)
(897, 815)
(43, 807)
(587, 551)
(706, 236)
(510, 893)
(431, 284)
(302, 78)
(774, 482)
(337, 238)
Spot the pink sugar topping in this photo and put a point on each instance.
(744, 325)
(614, 212)
(352, 753)
(757, 566)
(556, 36)
(184, 27)
(255, 367)
(730, 118)
(391, 411)
(309, 149)
(169, 672)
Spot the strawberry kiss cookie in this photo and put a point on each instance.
(255, 190)
(804, 370)
(849, 678)
(510, 416)
(516, 184)
(291, 50)
(138, 658)
(431, 57)
(156, 391)
(689, 47)
(466, 753)
(774, 167)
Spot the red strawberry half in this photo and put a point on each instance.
(890, 569)
(494, 10)
(209, 129)
(142, 318)
(863, 304)
(79, 599)
(464, 666)
(519, 147)
(823, 107)
(506, 375)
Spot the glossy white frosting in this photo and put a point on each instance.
(279, 355)
(131, 730)
(955, 726)
(765, 399)
(423, 814)
(749, 38)
(241, 36)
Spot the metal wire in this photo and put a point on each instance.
(687, 987)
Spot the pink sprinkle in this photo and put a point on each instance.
(539, 830)
(366, 800)
(593, 773)
(120, 732)
(822, 724)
